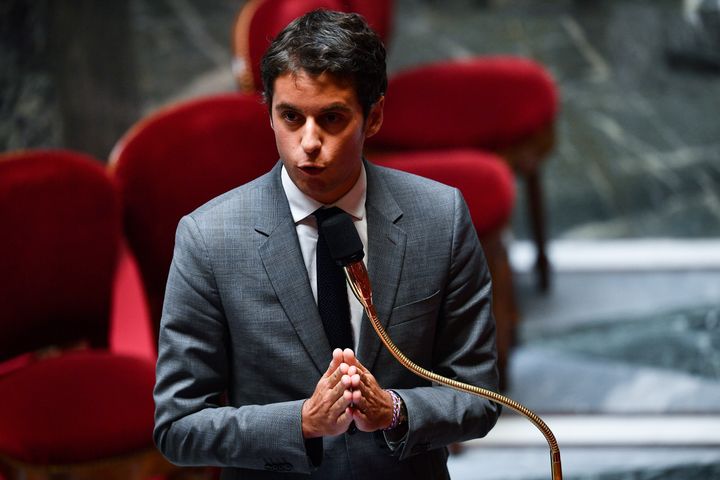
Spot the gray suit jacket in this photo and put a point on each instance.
(242, 344)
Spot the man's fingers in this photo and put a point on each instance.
(361, 368)
(335, 362)
(324, 413)
(345, 418)
(340, 404)
(360, 382)
(337, 390)
(336, 400)
(349, 356)
(368, 380)
(333, 378)
(350, 381)
(355, 399)
(358, 415)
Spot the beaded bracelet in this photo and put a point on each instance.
(397, 404)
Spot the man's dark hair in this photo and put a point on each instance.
(341, 44)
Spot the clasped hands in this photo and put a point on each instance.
(346, 392)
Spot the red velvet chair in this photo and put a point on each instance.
(502, 104)
(175, 160)
(68, 407)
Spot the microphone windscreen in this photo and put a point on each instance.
(342, 239)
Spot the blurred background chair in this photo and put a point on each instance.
(69, 407)
(502, 104)
(175, 160)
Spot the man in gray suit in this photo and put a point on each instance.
(246, 377)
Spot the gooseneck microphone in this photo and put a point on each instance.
(346, 249)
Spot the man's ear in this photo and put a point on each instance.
(272, 125)
(375, 118)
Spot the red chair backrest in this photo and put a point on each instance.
(179, 158)
(60, 217)
(259, 22)
(486, 102)
(486, 182)
(377, 13)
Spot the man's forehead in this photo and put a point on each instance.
(324, 77)
(334, 92)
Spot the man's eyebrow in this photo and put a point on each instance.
(285, 106)
(336, 106)
(329, 108)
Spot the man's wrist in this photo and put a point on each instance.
(399, 412)
(396, 434)
(305, 427)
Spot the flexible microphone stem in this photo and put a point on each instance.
(359, 281)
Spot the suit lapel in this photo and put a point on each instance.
(386, 245)
(284, 265)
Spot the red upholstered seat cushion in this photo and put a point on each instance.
(487, 102)
(485, 181)
(77, 407)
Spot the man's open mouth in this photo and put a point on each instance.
(311, 170)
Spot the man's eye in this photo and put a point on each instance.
(290, 116)
(332, 117)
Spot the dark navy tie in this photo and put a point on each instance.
(332, 290)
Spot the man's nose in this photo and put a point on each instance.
(311, 140)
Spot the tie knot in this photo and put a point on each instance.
(322, 214)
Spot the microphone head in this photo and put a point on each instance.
(342, 239)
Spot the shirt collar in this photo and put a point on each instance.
(302, 205)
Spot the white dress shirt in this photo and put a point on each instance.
(302, 207)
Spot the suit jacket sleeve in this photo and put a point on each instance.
(191, 425)
(464, 350)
